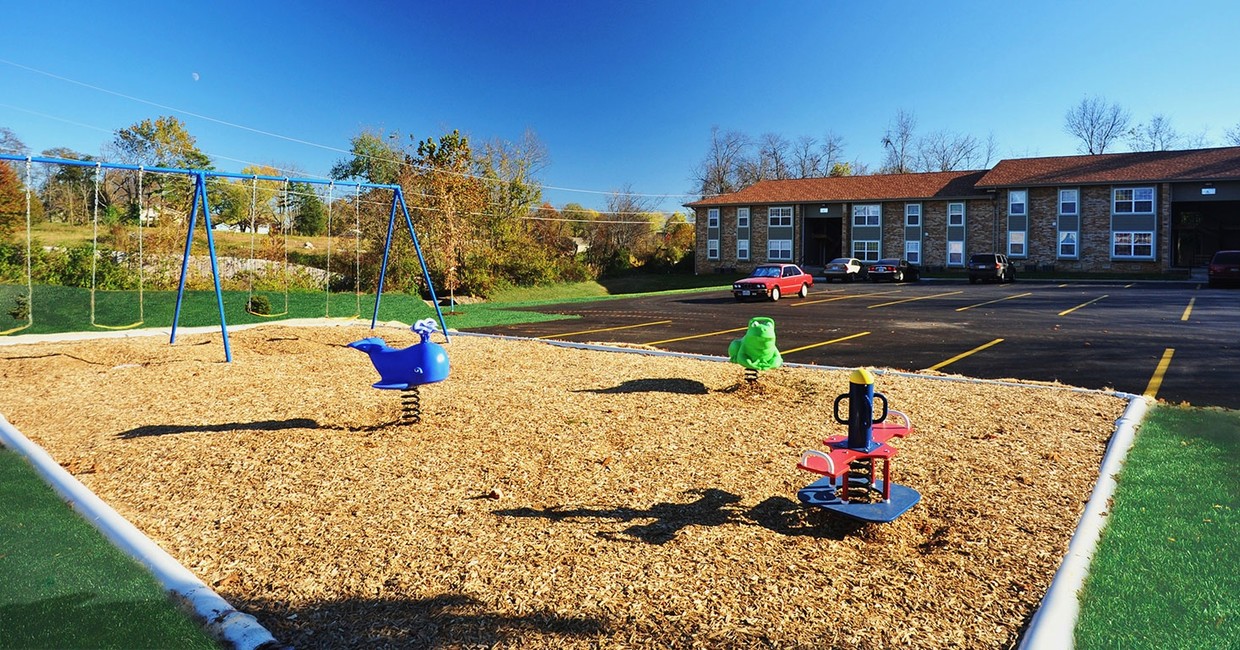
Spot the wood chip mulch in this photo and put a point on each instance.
(555, 497)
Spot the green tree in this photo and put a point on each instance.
(163, 142)
(12, 202)
(309, 214)
(375, 158)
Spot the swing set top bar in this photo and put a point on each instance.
(192, 172)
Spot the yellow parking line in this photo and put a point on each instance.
(963, 355)
(1063, 285)
(603, 329)
(1151, 390)
(991, 302)
(1129, 286)
(1189, 309)
(1084, 304)
(697, 336)
(896, 302)
(855, 295)
(818, 345)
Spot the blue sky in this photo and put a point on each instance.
(620, 93)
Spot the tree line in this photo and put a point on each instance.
(477, 209)
(735, 160)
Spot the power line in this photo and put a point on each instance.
(298, 140)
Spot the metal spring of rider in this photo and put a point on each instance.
(410, 406)
(860, 478)
(751, 375)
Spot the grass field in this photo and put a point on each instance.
(62, 585)
(1167, 571)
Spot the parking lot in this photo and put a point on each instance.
(1173, 340)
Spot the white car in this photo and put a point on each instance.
(846, 269)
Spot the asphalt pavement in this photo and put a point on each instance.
(1176, 341)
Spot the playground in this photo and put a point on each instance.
(560, 497)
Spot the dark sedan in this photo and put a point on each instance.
(894, 270)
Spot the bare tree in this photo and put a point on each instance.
(832, 150)
(1232, 135)
(1096, 124)
(1157, 135)
(942, 151)
(719, 171)
(807, 158)
(775, 156)
(898, 141)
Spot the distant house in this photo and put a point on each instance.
(1128, 212)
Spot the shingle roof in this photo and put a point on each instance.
(1190, 165)
(879, 187)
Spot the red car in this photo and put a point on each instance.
(773, 281)
(1224, 267)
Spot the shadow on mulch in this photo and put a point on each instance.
(445, 621)
(681, 386)
(713, 508)
(175, 429)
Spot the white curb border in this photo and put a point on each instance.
(221, 621)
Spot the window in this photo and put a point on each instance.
(865, 250)
(912, 215)
(712, 234)
(1133, 200)
(1068, 202)
(1016, 243)
(1017, 201)
(955, 214)
(867, 215)
(955, 253)
(1133, 245)
(912, 251)
(1067, 244)
(742, 234)
(780, 217)
(778, 250)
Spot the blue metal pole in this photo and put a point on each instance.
(189, 240)
(426, 274)
(387, 248)
(215, 268)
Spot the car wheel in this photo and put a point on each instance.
(804, 291)
(774, 293)
(898, 277)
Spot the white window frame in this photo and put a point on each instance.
(912, 251)
(867, 250)
(1023, 203)
(1069, 206)
(784, 217)
(712, 245)
(867, 214)
(1135, 239)
(955, 248)
(1018, 244)
(952, 214)
(1129, 200)
(742, 245)
(779, 250)
(1075, 202)
(912, 215)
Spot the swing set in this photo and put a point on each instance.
(199, 205)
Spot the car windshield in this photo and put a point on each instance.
(766, 272)
(1226, 257)
(982, 259)
(840, 260)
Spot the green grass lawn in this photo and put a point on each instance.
(63, 585)
(1167, 570)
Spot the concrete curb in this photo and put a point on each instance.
(227, 625)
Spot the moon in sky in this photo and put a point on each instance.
(195, 75)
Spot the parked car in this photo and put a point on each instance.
(894, 269)
(774, 281)
(991, 266)
(1224, 268)
(844, 269)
